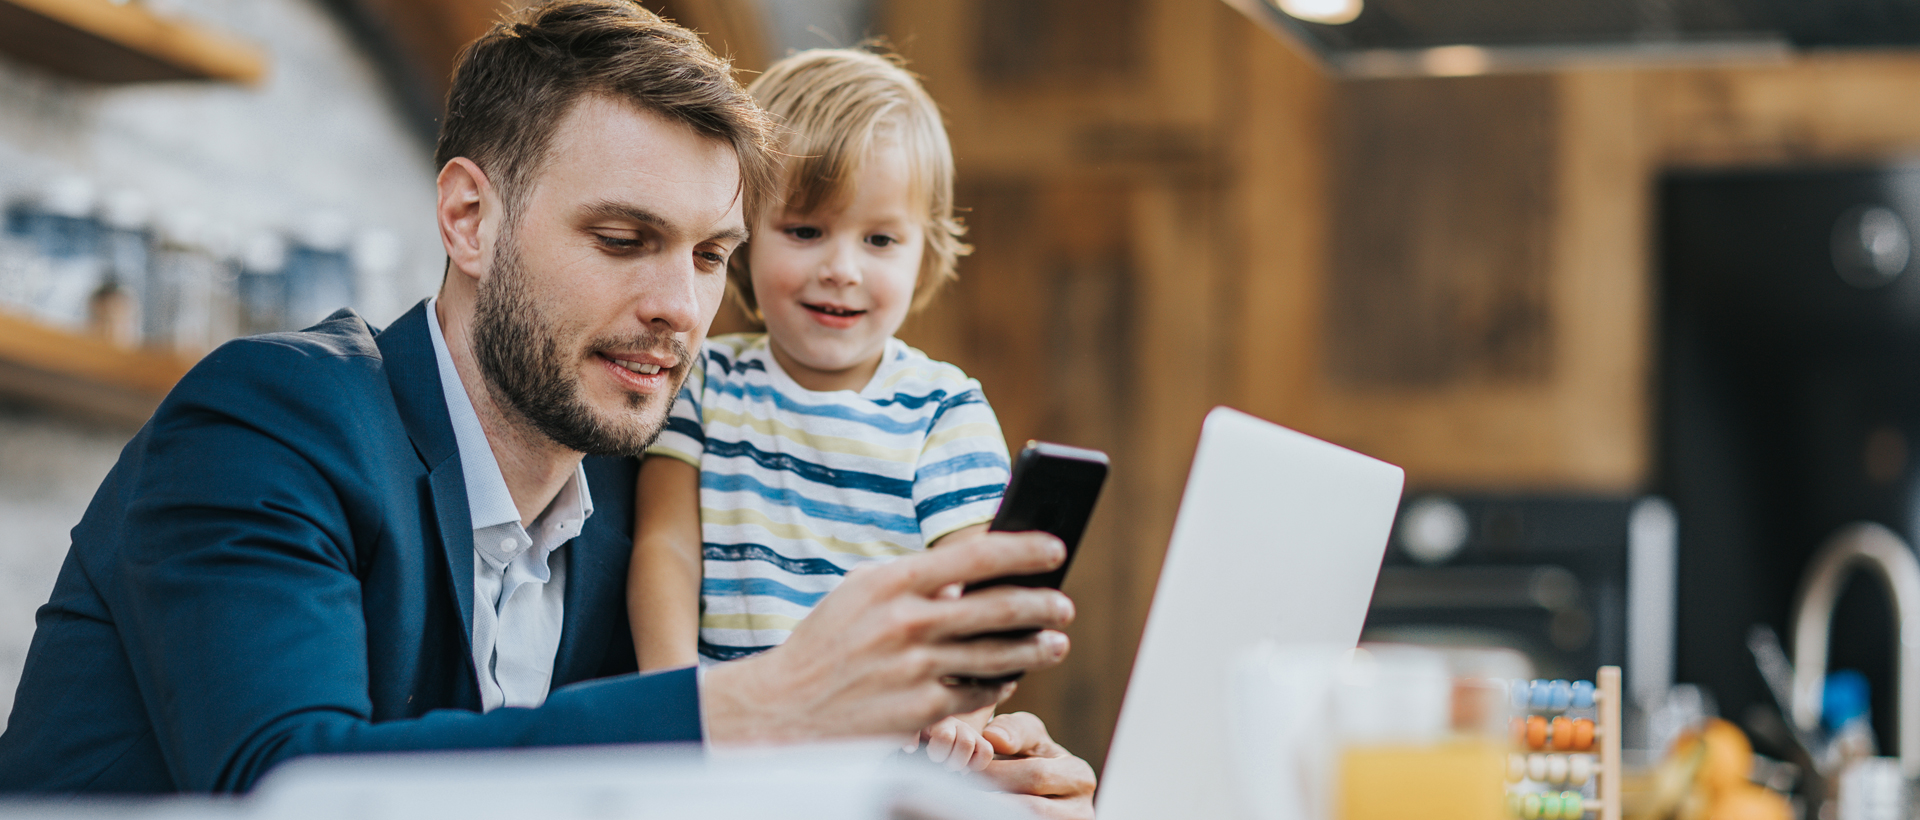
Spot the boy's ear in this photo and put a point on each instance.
(468, 213)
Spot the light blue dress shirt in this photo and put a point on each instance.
(519, 576)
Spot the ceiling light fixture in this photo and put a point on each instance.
(1330, 12)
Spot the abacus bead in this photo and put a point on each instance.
(1518, 727)
(1559, 696)
(1549, 806)
(1572, 805)
(1537, 767)
(1542, 695)
(1556, 769)
(1579, 768)
(1519, 692)
(1513, 804)
(1530, 806)
(1563, 735)
(1583, 694)
(1583, 734)
(1516, 768)
(1536, 732)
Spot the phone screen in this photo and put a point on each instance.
(1053, 490)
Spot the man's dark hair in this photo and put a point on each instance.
(512, 87)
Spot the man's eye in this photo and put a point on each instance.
(804, 232)
(712, 259)
(617, 243)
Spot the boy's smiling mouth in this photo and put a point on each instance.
(832, 310)
(833, 316)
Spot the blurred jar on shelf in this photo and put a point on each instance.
(63, 264)
(262, 286)
(126, 239)
(189, 304)
(319, 272)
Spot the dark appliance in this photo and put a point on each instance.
(1573, 582)
(1789, 401)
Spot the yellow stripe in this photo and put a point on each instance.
(799, 532)
(981, 429)
(664, 450)
(826, 444)
(940, 374)
(960, 525)
(748, 620)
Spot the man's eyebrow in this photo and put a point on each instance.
(609, 209)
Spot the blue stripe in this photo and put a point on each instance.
(729, 653)
(727, 365)
(916, 402)
(817, 473)
(686, 427)
(763, 392)
(759, 586)
(947, 501)
(757, 552)
(977, 460)
(961, 400)
(780, 497)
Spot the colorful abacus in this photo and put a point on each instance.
(1559, 726)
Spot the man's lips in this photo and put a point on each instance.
(646, 373)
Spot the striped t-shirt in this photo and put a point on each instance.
(797, 486)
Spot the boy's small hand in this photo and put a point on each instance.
(957, 744)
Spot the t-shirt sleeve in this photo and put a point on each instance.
(963, 466)
(685, 437)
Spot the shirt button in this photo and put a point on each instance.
(507, 543)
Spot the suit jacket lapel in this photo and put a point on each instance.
(414, 375)
(597, 573)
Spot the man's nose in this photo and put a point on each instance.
(672, 299)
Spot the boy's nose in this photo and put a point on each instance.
(842, 265)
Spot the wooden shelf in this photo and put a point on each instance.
(83, 374)
(118, 43)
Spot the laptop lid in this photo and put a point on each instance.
(1279, 537)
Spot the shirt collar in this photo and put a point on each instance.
(488, 500)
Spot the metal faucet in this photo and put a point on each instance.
(1867, 546)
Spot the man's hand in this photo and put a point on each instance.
(1038, 772)
(872, 657)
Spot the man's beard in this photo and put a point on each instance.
(530, 376)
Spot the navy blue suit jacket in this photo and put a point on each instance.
(281, 563)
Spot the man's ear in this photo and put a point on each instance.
(468, 212)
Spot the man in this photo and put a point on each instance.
(346, 540)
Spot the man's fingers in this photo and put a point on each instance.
(981, 557)
(1040, 776)
(999, 657)
(1016, 733)
(1000, 609)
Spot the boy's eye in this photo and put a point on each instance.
(881, 240)
(804, 232)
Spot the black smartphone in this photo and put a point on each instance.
(1053, 490)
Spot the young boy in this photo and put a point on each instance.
(794, 456)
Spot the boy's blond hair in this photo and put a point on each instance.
(833, 108)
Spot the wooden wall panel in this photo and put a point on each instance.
(1110, 301)
(1442, 232)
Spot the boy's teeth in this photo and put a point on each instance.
(637, 367)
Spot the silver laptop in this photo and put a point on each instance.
(1279, 538)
